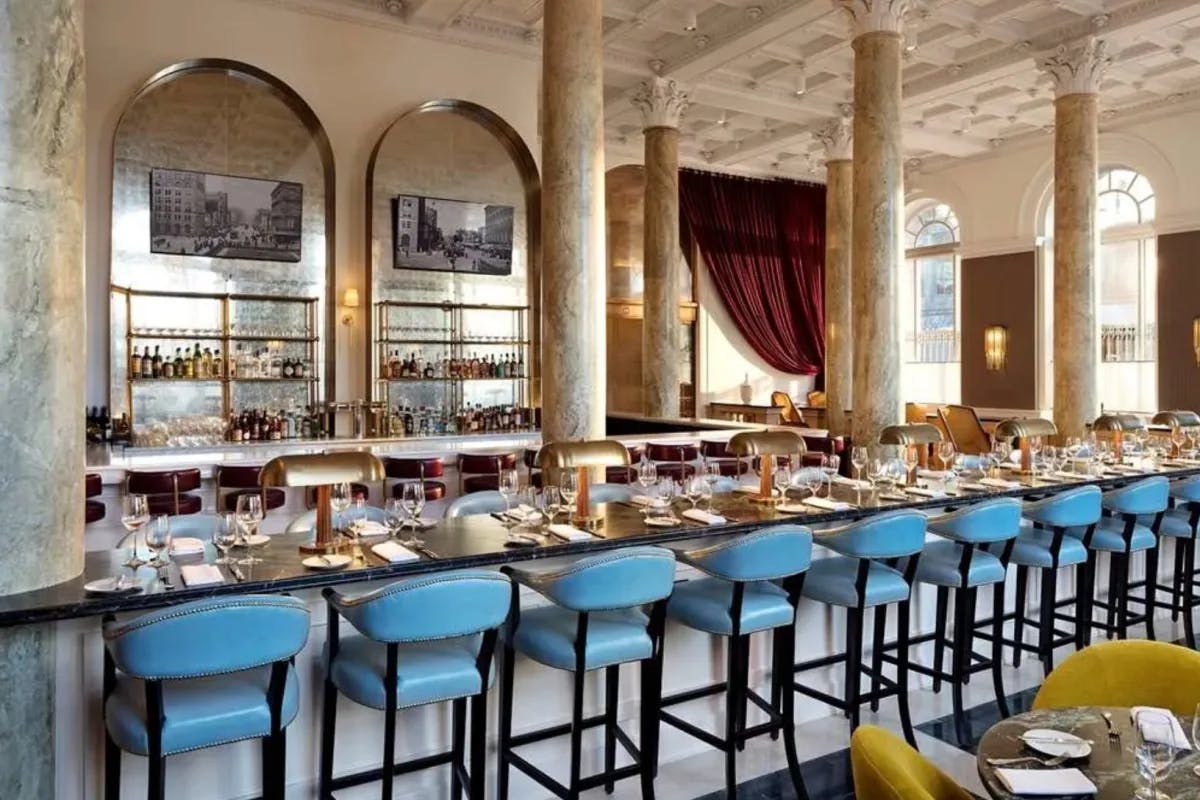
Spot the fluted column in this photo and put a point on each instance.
(878, 214)
(662, 103)
(573, 262)
(836, 136)
(41, 391)
(1077, 71)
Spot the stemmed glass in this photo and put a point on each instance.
(339, 501)
(858, 459)
(1178, 437)
(224, 537)
(830, 465)
(158, 539)
(135, 512)
(1155, 750)
(568, 488)
(712, 475)
(693, 488)
(249, 516)
(393, 516)
(945, 453)
(1035, 449)
(550, 503)
(412, 499)
(910, 463)
(647, 473)
(782, 479)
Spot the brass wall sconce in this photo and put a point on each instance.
(349, 301)
(1196, 339)
(995, 347)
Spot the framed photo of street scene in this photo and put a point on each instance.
(441, 235)
(224, 216)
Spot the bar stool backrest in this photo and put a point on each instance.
(1147, 496)
(441, 606)
(209, 637)
(1187, 490)
(413, 469)
(475, 503)
(237, 477)
(715, 448)
(672, 451)
(620, 579)
(485, 463)
(894, 534)
(1078, 507)
(92, 485)
(162, 482)
(988, 521)
(765, 555)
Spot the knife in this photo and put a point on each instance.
(237, 572)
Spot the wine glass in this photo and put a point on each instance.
(712, 475)
(224, 537)
(693, 488)
(568, 488)
(249, 516)
(339, 500)
(647, 473)
(394, 516)
(858, 459)
(412, 499)
(550, 503)
(1035, 450)
(1155, 750)
(158, 539)
(135, 512)
(1178, 437)
(945, 453)
(911, 459)
(782, 480)
(830, 465)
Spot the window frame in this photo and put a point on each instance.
(914, 255)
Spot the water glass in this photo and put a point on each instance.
(394, 515)
(568, 488)
(945, 451)
(224, 537)
(249, 516)
(412, 498)
(158, 539)
(782, 480)
(135, 512)
(647, 473)
(694, 488)
(550, 503)
(339, 501)
(1154, 751)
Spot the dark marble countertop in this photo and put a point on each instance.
(1110, 765)
(476, 541)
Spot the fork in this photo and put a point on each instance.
(1113, 735)
(1045, 762)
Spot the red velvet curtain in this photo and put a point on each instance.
(764, 244)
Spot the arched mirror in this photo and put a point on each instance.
(452, 235)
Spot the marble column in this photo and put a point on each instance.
(836, 137)
(878, 215)
(573, 261)
(41, 393)
(662, 103)
(1077, 71)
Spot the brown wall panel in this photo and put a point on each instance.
(1000, 290)
(1178, 305)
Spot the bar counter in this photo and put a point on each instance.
(474, 541)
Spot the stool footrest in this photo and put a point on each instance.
(585, 783)
(376, 774)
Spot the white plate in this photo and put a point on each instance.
(257, 540)
(663, 522)
(110, 586)
(1056, 743)
(327, 563)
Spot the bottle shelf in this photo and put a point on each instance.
(272, 380)
(191, 336)
(445, 380)
(460, 342)
(244, 338)
(222, 380)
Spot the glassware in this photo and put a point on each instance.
(568, 488)
(693, 488)
(412, 498)
(249, 516)
(225, 536)
(158, 539)
(339, 501)
(911, 460)
(1196, 737)
(1155, 750)
(782, 480)
(706, 484)
(858, 459)
(945, 453)
(830, 464)
(550, 503)
(1035, 449)
(647, 473)
(1178, 437)
(135, 512)
(712, 475)
(394, 516)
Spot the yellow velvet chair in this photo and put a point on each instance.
(1127, 673)
(886, 768)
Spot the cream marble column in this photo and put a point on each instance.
(573, 260)
(1077, 71)
(41, 359)
(662, 103)
(878, 215)
(837, 138)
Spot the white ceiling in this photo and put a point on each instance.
(970, 83)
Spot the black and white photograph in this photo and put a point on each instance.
(433, 233)
(224, 216)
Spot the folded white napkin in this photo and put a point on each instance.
(393, 552)
(521, 512)
(853, 484)
(1153, 733)
(828, 505)
(700, 515)
(1069, 475)
(1127, 468)
(933, 474)
(1046, 782)
(424, 524)
(369, 527)
(921, 491)
(791, 508)
(999, 483)
(186, 546)
(569, 532)
(641, 499)
(746, 488)
(201, 574)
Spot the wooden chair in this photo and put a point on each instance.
(790, 414)
(966, 432)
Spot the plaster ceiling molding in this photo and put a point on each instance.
(837, 137)
(1077, 68)
(876, 16)
(661, 101)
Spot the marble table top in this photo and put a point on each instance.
(474, 541)
(1111, 763)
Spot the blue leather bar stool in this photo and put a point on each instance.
(863, 574)
(963, 563)
(1044, 545)
(1121, 533)
(1180, 523)
(199, 675)
(753, 587)
(596, 621)
(424, 640)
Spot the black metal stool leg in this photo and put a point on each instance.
(732, 712)
(611, 691)
(779, 664)
(1019, 615)
(156, 781)
(1177, 579)
(959, 662)
(1122, 598)
(998, 648)
(743, 685)
(389, 723)
(576, 735)
(328, 723)
(787, 643)
(854, 628)
(458, 745)
(1049, 591)
(902, 652)
(880, 615)
(112, 768)
(1151, 589)
(478, 746)
(1088, 592)
(1189, 634)
(939, 635)
(651, 704)
(504, 745)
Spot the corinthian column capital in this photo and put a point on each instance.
(661, 101)
(1076, 68)
(837, 137)
(871, 16)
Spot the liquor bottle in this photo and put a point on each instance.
(276, 366)
(218, 364)
(521, 365)
(288, 370)
(177, 364)
(473, 367)
(394, 368)
(135, 363)
(385, 366)
(156, 364)
(208, 364)
(198, 363)
(429, 370)
(235, 428)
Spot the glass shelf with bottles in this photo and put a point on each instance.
(266, 364)
(414, 367)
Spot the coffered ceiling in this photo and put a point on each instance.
(765, 74)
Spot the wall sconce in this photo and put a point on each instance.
(1196, 339)
(349, 300)
(995, 346)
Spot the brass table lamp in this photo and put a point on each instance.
(767, 445)
(1023, 428)
(1116, 426)
(582, 457)
(321, 470)
(916, 434)
(1177, 419)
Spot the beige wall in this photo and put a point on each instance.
(356, 78)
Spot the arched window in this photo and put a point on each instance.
(931, 241)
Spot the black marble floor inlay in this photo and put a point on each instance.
(825, 778)
(979, 719)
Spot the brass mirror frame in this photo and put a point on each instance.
(527, 168)
(304, 112)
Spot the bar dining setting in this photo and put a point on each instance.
(678, 399)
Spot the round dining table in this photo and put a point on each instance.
(1110, 766)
